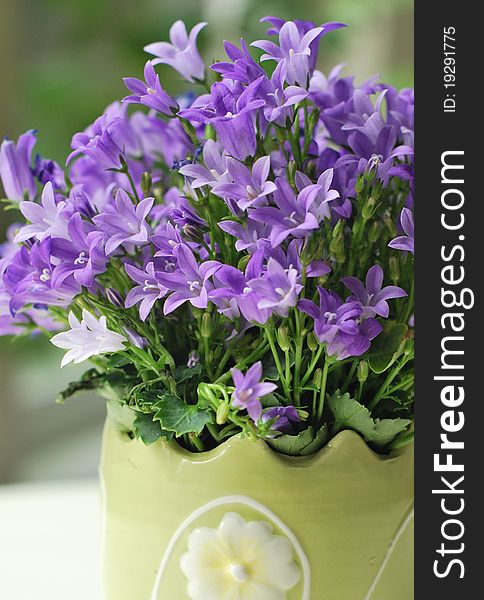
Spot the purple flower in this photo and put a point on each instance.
(48, 170)
(372, 297)
(248, 188)
(284, 417)
(28, 279)
(47, 220)
(303, 28)
(247, 235)
(292, 215)
(295, 48)
(243, 67)
(125, 223)
(320, 207)
(337, 325)
(280, 99)
(232, 117)
(110, 136)
(191, 281)
(405, 242)
(15, 172)
(278, 288)
(82, 256)
(151, 93)
(182, 54)
(249, 389)
(147, 292)
(229, 283)
(214, 171)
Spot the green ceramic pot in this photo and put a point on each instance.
(241, 522)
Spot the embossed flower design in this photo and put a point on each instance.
(240, 560)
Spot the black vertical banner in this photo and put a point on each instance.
(449, 210)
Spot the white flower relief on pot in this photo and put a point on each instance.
(240, 560)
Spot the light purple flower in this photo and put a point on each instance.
(292, 214)
(248, 235)
(320, 207)
(190, 283)
(147, 292)
(47, 220)
(405, 242)
(232, 116)
(243, 67)
(229, 284)
(125, 222)
(280, 99)
(248, 188)
(110, 137)
(15, 172)
(303, 27)
(214, 169)
(337, 324)
(372, 297)
(284, 417)
(249, 389)
(182, 54)
(151, 93)
(295, 48)
(278, 288)
(48, 170)
(82, 256)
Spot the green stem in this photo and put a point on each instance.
(255, 355)
(349, 377)
(312, 366)
(384, 387)
(322, 395)
(277, 361)
(298, 357)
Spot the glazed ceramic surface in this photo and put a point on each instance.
(243, 523)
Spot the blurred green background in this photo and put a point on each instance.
(61, 63)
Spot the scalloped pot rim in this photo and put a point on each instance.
(342, 439)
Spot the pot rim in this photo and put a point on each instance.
(344, 438)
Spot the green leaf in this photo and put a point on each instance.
(350, 414)
(306, 442)
(149, 431)
(185, 373)
(176, 415)
(386, 430)
(383, 350)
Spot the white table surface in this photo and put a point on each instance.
(50, 541)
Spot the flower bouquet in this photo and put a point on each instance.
(237, 265)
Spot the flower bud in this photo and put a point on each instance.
(313, 118)
(312, 342)
(291, 172)
(210, 132)
(318, 378)
(369, 208)
(360, 184)
(222, 413)
(363, 371)
(375, 232)
(394, 269)
(337, 245)
(283, 338)
(114, 297)
(242, 264)
(145, 184)
(206, 327)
